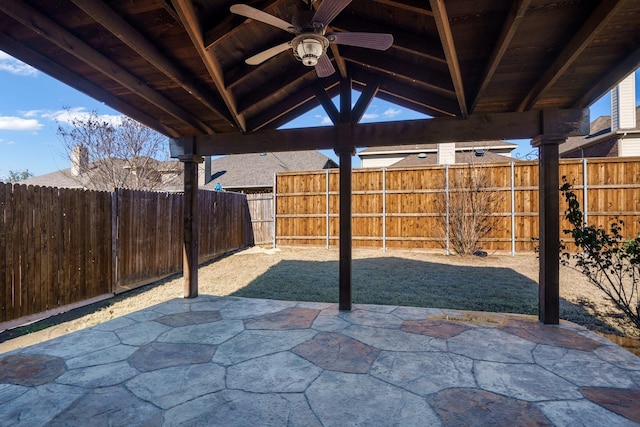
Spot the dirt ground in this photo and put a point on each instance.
(423, 279)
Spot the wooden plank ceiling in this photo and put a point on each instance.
(179, 65)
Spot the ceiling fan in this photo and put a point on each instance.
(310, 40)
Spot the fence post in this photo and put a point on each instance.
(327, 221)
(585, 209)
(384, 209)
(275, 186)
(513, 211)
(446, 192)
(116, 204)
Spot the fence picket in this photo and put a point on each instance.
(61, 247)
(400, 213)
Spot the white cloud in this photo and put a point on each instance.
(18, 123)
(370, 116)
(31, 113)
(14, 66)
(79, 113)
(391, 112)
(326, 121)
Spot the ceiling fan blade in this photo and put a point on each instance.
(324, 67)
(259, 58)
(258, 15)
(328, 10)
(378, 41)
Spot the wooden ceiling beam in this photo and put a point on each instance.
(59, 36)
(78, 82)
(421, 47)
(230, 22)
(523, 125)
(113, 22)
(289, 77)
(326, 102)
(365, 98)
(410, 96)
(446, 37)
(572, 50)
(615, 75)
(414, 6)
(166, 4)
(509, 29)
(429, 79)
(292, 107)
(191, 23)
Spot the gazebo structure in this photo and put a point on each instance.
(483, 69)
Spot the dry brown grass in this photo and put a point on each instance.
(497, 283)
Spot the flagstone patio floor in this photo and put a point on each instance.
(227, 361)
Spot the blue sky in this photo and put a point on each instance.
(31, 102)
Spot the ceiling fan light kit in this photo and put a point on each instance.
(310, 43)
(307, 48)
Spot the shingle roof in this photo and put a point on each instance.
(461, 157)
(433, 147)
(256, 170)
(169, 174)
(598, 127)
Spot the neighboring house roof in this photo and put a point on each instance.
(163, 176)
(598, 129)
(461, 157)
(421, 148)
(257, 170)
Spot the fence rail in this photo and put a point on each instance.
(60, 248)
(396, 208)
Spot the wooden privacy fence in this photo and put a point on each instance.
(61, 248)
(396, 208)
(262, 218)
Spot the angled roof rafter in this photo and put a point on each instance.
(407, 96)
(444, 29)
(292, 107)
(295, 73)
(598, 19)
(56, 34)
(429, 80)
(106, 16)
(365, 99)
(509, 28)
(230, 22)
(613, 77)
(326, 102)
(420, 47)
(64, 75)
(415, 6)
(191, 24)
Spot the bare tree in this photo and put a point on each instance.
(467, 207)
(18, 175)
(107, 153)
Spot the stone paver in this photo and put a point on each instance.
(246, 362)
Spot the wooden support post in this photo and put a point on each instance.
(190, 217)
(549, 229)
(344, 155)
(345, 149)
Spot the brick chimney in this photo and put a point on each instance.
(79, 160)
(204, 172)
(623, 104)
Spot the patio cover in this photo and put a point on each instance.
(483, 69)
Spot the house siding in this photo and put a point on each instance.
(607, 148)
